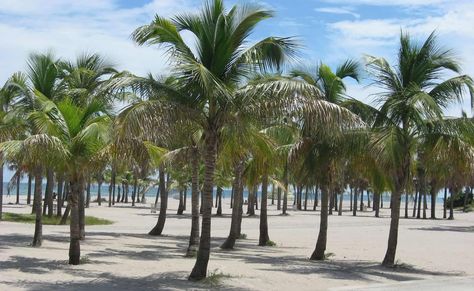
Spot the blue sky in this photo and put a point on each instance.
(329, 30)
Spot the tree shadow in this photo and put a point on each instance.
(447, 228)
(108, 281)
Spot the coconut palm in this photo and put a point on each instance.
(413, 91)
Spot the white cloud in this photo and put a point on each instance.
(337, 10)
(71, 27)
(389, 3)
(380, 37)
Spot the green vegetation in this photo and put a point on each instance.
(30, 218)
(215, 278)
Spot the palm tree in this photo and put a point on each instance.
(413, 91)
(322, 152)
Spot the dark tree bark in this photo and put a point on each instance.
(306, 199)
(331, 201)
(315, 203)
(406, 204)
(389, 258)
(368, 199)
(354, 207)
(264, 239)
(200, 268)
(279, 198)
(236, 210)
(28, 197)
(88, 191)
(38, 236)
(414, 202)
(350, 199)
(251, 201)
(424, 204)
(219, 202)
(320, 249)
(49, 192)
(81, 210)
(336, 206)
(76, 231)
(445, 202)
(160, 224)
(361, 208)
(17, 188)
(340, 203)
(453, 192)
(99, 193)
(59, 196)
(185, 197)
(273, 193)
(181, 203)
(134, 193)
(433, 192)
(194, 236)
(67, 198)
(376, 203)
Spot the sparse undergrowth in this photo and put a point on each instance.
(271, 243)
(215, 278)
(54, 220)
(327, 256)
(243, 236)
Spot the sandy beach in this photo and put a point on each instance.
(122, 256)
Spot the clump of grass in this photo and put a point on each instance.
(84, 260)
(271, 243)
(243, 236)
(214, 278)
(328, 255)
(54, 220)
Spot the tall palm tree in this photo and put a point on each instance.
(322, 152)
(413, 91)
(212, 76)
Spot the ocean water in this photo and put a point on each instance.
(151, 193)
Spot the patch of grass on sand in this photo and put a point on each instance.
(215, 278)
(328, 255)
(271, 243)
(243, 236)
(54, 220)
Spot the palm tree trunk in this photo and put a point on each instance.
(331, 201)
(119, 191)
(88, 191)
(433, 191)
(264, 238)
(219, 203)
(445, 201)
(318, 253)
(340, 203)
(99, 196)
(160, 224)
(418, 214)
(424, 204)
(68, 207)
(389, 258)
(279, 198)
(181, 203)
(273, 193)
(18, 187)
(28, 197)
(49, 191)
(134, 193)
(406, 204)
(200, 268)
(354, 208)
(238, 193)
(415, 201)
(316, 198)
(60, 196)
(38, 236)
(350, 199)
(81, 209)
(194, 236)
(361, 208)
(285, 194)
(77, 190)
(306, 199)
(376, 204)
(453, 192)
(381, 200)
(368, 199)
(250, 201)
(466, 194)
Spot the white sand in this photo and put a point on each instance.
(122, 257)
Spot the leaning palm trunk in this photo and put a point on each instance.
(194, 236)
(340, 203)
(200, 268)
(236, 215)
(264, 238)
(38, 237)
(77, 190)
(318, 253)
(389, 258)
(181, 203)
(160, 224)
